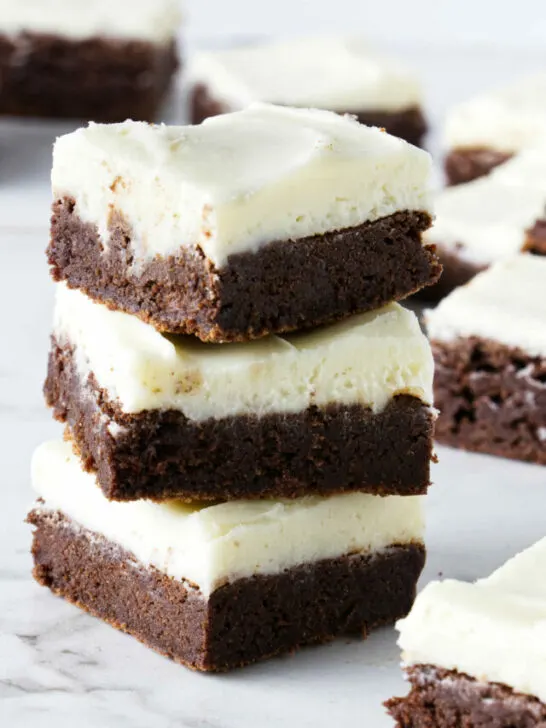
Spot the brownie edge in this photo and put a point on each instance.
(244, 621)
(285, 286)
(464, 165)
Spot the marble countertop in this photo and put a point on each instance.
(60, 667)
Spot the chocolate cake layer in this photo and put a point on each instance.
(456, 272)
(492, 398)
(162, 454)
(535, 240)
(448, 699)
(241, 622)
(408, 124)
(101, 79)
(286, 285)
(464, 165)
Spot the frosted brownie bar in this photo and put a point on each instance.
(266, 220)
(346, 407)
(339, 74)
(489, 345)
(486, 131)
(219, 586)
(474, 653)
(106, 60)
(490, 219)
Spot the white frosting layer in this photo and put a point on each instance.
(238, 181)
(366, 359)
(507, 119)
(211, 545)
(493, 630)
(486, 220)
(505, 303)
(341, 74)
(155, 21)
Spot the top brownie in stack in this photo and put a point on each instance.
(263, 221)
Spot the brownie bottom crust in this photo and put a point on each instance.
(98, 79)
(448, 699)
(464, 165)
(241, 622)
(286, 285)
(408, 124)
(492, 399)
(161, 454)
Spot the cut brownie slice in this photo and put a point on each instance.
(474, 653)
(346, 407)
(489, 219)
(484, 132)
(489, 345)
(343, 75)
(263, 221)
(217, 587)
(102, 60)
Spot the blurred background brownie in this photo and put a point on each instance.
(104, 60)
(486, 131)
(339, 74)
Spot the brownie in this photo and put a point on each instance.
(241, 622)
(162, 454)
(408, 124)
(286, 285)
(441, 698)
(455, 272)
(491, 397)
(464, 165)
(101, 79)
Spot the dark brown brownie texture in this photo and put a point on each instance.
(286, 285)
(464, 165)
(242, 622)
(161, 454)
(408, 124)
(448, 699)
(99, 79)
(492, 399)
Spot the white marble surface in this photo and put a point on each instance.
(59, 667)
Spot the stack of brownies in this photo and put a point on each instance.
(248, 410)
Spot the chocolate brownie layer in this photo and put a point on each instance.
(162, 454)
(408, 124)
(242, 622)
(99, 78)
(464, 165)
(492, 398)
(287, 285)
(456, 272)
(448, 699)
(535, 239)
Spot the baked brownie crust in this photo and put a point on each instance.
(242, 622)
(456, 272)
(408, 124)
(287, 285)
(448, 699)
(99, 78)
(464, 165)
(492, 399)
(160, 453)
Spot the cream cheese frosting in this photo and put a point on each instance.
(507, 119)
(155, 21)
(341, 74)
(493, 630)
(237, 181)
(210, 545)
(366, 359)
(505, 303)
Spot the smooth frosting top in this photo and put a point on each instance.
(213, 544)
(150, 20)
(507, 119)
(505, 303)
(342, 74)
(238, 181)
(493, 630)
(365, 359)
